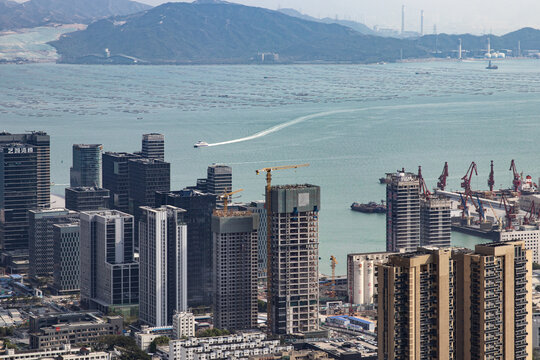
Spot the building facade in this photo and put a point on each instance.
(294, 259)
(530, 234)
(435, 222)
(235, 263)
(259, 207)
(153, 146)
(66, 257)
(109, 272)
(116, 178)
(199, 208)
(183, 325)
(403, 211)
(219, 179)
(86, 169)
(163, 264)
(87, 198)
(362, 277)
(449, 303)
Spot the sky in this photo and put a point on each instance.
(449, 16)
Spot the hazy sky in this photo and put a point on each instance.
(453, 16)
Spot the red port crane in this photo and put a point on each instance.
(491, 180)
(517, 178)
(466, 180)
(531, 216)
(510, 213)
(423, 187)
(442, 179)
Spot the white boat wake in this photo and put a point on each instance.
(282, 126)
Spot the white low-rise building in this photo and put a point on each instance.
(528, 233)
(66, 353)
(183, 325)
(238, 346)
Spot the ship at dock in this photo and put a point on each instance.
(370, 208)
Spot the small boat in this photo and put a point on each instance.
(491, 66)
(199, 144)
(369, 208)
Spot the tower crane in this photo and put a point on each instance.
(517, 178)
(442, 179)
(268, 206)
(333, 263)
(225, 196)
(491, 179)
(423, 187)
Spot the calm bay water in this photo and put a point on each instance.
(366, 120)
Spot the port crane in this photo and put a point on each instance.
(423, 186)
(517, 178)
(466, 185)
(499, 221)
(532, 215)
(226, 196)
(510, 212)
(442, 179)
(333, 263)
(491, 179)
(268, 206)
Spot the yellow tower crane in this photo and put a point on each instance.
(268, 206)
(225, 196)
(333, 263)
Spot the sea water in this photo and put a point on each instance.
(351, 123)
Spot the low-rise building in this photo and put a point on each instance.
(536, 331)
(238, 346)
(530, 234)
(147, 334)
(183, 325)
(51, 331)
(294, 355)
(66, 352)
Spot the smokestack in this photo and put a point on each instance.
(402, 19)
(459, 50)
(422, 23)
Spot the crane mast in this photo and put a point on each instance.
(491, 180)
(516, 182)
(268, 206)
(442, 179)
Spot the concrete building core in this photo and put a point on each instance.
(294, 258)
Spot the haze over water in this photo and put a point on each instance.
(352, 123)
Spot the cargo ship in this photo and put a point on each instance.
(370, 208)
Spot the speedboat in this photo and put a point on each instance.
(199, 144)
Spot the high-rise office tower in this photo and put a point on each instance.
(86, 169)
(41, 143)
(18, 193)
(294, 259)
(403, 211)
(66, 257)
(116, 178)
(109, 273)
(494, 302)
(41, 238)
(235, 243)
(449, 303)
(435, 222)
(259, 207)
(87, 198)
(200, 250)
(163, 264)
(219, 179)
(153, 146)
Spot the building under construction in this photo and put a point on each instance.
(235, 263)
(294, 258)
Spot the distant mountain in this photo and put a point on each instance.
(42, 12)
(361, 28)
(189, 33)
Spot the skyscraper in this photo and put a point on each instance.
(18, 193)
(86, 169)
(87, 198)
(109, 273)
(199, 207)
(294, 259)
(403, 211)
(163, 264)
(259, 207)
(41, 144)
(435, 222)
(153, 146)
(449, 303)
(41, 238)
(235, 243)
(66, 257)
(116, 178)
(219, 179)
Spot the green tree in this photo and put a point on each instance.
(536, 266)
(159, 341)
(126, 345)
(213, 332)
